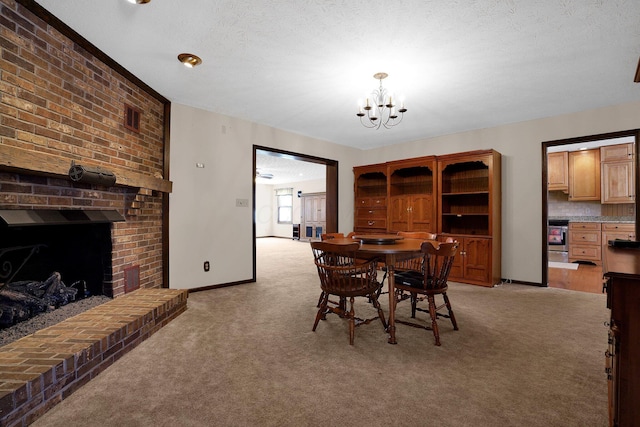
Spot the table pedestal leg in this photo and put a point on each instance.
(391, 283)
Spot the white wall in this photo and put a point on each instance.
(205, 224)
(267, 206)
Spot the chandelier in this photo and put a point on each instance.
(380, 109)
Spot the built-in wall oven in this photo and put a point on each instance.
(558, 235)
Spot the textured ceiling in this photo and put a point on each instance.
(284, 170)
(302, 65)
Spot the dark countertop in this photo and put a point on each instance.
(619, 219)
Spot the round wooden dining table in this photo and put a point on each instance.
(389, 248)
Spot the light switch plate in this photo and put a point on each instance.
(242, 203)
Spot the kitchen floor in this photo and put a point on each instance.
(587, 278)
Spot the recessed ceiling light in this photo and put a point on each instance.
(139, 1)
(189, 60)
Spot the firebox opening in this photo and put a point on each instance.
(79, 249)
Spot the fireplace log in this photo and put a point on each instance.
(22, 300)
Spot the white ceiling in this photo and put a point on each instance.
(302, 65)
(286, 170)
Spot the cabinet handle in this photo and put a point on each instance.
(371, 223)
(370, 212)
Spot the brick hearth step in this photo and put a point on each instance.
(40, 370)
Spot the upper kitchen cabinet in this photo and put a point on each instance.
(370, 184)
(584, 175)
(558, 171)
(412, 202)
(618, 173)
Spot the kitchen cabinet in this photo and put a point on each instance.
(584, 175)
(585, 242)
(622, 273)
(614, 153)
(370, 189)
(558, 171)
(618, 173)
(469, 210)
(623, 231)
(411, 195)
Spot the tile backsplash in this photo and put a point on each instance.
(560, 206)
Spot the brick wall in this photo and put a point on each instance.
(58, 98)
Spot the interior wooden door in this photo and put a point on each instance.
(314, 215)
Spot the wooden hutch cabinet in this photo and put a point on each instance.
(370, 190)
(412, 203)
(469, 211)
(456, 195)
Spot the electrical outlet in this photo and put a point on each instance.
(242, 203)
(206, 266)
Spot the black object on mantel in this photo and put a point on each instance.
(91, 175)
(628, 244)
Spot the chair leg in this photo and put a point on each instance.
(432, 313)
(352, 322)
(451, 315)
(320, 299)
(321, 310)
(414, 301)
(379, 291)
(376, 304)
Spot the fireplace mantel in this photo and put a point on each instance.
(48, 164)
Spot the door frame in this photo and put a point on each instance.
(545, 200)
(331, 188)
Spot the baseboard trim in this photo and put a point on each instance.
(522, 282)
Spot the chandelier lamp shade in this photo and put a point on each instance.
(380, 109)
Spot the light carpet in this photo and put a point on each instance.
(246, 356)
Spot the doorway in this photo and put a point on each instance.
(330, 212)
(582, 269)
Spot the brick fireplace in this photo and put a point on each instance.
(63, 102)
(134, 242)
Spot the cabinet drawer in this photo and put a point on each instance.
(371, 223)
(588, 253)
(371, 213)
(584, 226)
(613, 235)
(619, 227)
(371, 202)
(584, 237)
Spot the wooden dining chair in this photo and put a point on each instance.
(411, 263)
(329, 236)
(324, 237)
(346, 277)
(429, 281)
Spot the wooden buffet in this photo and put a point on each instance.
(622, 273)
(455, 195)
